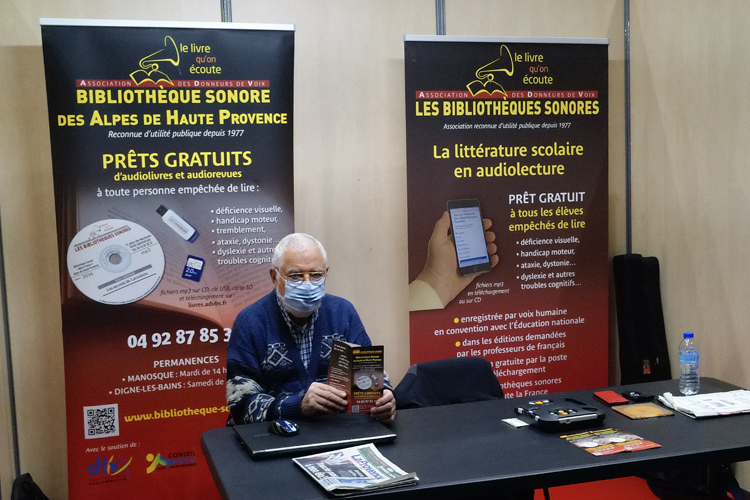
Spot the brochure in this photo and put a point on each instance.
(357, 370)
(709, 405)
(609, 441)
(643, 410)
(357, 469)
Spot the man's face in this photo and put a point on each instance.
(298, 260)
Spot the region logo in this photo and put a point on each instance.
(108, 470)
(170, 461)
(150, 65)
(485, 82)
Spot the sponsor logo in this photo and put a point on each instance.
(170, 460)
(108, 470)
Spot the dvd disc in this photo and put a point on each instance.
(115, 261)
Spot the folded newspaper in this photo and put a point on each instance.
(352, 470)
(709, 405)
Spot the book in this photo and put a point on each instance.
(355, 469)
(488, 87)
(643, 410)
(709, 405)
(609, 441)
(358, 371)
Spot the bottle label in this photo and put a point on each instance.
(689, 357)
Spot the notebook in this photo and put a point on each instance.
(322, 433)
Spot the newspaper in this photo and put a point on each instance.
(709, 405)
(357, 469)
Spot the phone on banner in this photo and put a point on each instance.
(468, 237)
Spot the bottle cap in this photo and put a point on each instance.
(688, 335)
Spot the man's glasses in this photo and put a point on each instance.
(300, 277)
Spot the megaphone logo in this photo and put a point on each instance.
(485, 82)
(150, 71)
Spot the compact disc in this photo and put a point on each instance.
(115, 261)
(364, 382)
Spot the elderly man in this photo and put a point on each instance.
(278, 356)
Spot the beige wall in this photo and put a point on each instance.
(690, 124)
(350, 148)
(691, 181)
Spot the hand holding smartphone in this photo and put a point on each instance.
(468, 237)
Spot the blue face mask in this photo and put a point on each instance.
(302, 298)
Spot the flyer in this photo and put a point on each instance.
(609, 441)
(358, 371)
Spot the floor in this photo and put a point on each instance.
(627, 488)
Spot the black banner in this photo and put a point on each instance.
(512, 131)
(173, 173)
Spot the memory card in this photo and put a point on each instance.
(193, 268)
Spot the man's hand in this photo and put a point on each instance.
(322, 399)
(441, 269)
(385, 407)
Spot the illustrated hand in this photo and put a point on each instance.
(321, 399)
(385, 407)
(441, 269)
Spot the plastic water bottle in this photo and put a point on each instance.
(690, 383)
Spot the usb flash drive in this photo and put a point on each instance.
(177, 223)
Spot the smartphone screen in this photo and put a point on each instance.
(468, 237)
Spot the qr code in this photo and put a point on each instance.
(355, 408)
(101, 421)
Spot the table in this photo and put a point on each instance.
(466, 451)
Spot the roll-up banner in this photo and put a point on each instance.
(512, 131)
(173, 174)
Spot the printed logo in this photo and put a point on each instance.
(165, 69)
(171, 461)
(108, 470)
(156, 461)
(487, 96)
(99, 229)
(149, 66)
(485, 82)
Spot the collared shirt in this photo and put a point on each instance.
(302, 334)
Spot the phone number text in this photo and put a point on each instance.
(181, 337)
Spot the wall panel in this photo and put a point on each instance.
(691, 182)
(350, 149)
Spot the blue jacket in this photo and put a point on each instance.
(266, 378)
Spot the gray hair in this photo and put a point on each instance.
(296, 240)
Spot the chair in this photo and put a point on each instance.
(447, 381)
(452, 381)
